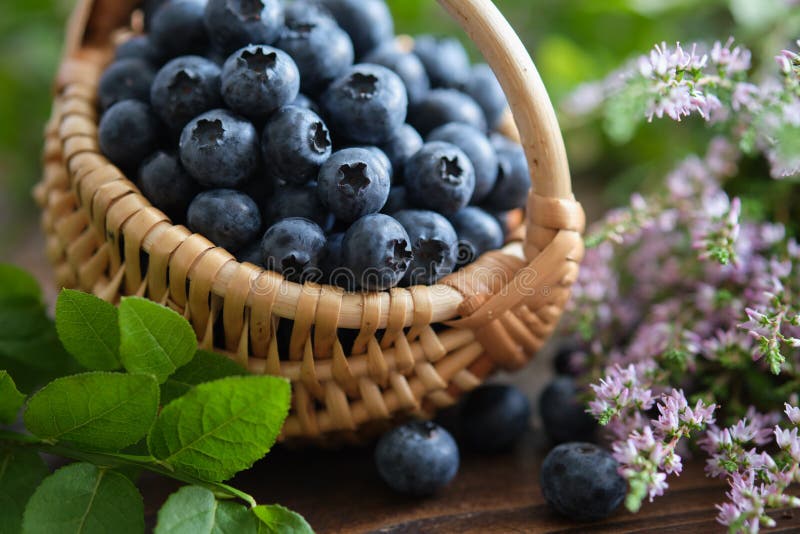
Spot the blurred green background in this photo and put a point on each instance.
(572, 41)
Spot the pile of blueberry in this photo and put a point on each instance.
(300, 136)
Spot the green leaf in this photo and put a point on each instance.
(204, 367)
(220, 428)
(195, 510)
(276, 519)
(16, 282)
(89, 329)
(154, 339)
(106, 411)
(82, 498)
(10, 399)
(21, 471)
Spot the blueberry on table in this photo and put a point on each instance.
(404, 143)
(354, 182)
(258, 79)
(433, 244)
(563, 414)
(397, 200)
(368, 104)
(177, 28)
(293, 247)
(445, 60)
(368, 22)
(479, 150)
(441, 106)
(297, 201)
(167, 185)
(185, 88)
(220, 149)
(295, 143)
(377, 251)
(493, 417)
(418, 458)
(125, 79)
(580, 480)
(406, 65)
(128, 133)
(478, 233)
(484, 88)
(439, 177)
(228, 218)
(232, 24)
(513, 179)
(138, 47)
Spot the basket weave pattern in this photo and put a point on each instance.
(416, 350)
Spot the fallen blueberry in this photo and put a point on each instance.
(563, 414)
(493, 417)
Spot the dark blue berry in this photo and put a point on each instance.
(150, 7)
(294, 247)
(445, 60)
(418, 458)
(295, 143)
(439, 177)
(333, 271)
(433, 244)
(233, 24)
(167, 185)
(397, 200)
(406, 65)
(138, 47)
(368, 104)
(441, 106)
(177, 28)
(563, 414)
(484, 88)
(354, 182)
(405, 143)
(478, 149)
(478, 232)
(513, 179)
(563, 362)
(128, 133)
(185, 88)
(377, 251)
(258, 79)
(303, 201)
(493, 417)
(368, 22)
(220, 149)
(302, 101)
(228, 218)
(251, 254)
(126, 79)
(581, 482)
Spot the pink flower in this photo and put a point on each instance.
(793, 413)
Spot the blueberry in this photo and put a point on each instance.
(513, 179)
(441, 106)
(293, 247)
(219, 149)
(302, 101)
(258, 79)
(433, 244)
(581, 482)
(563, 361)
(493, 417)
(128, 133)
(251, 254)
(167, 185)
(354, 182)
(150, 7)
(321, 49)
(406, 65)
(290, 201)
(368, 22)
(397, 200)
(138, 47)
(405, 143)
(368, 104)
(485, 89)
(177, 28)
(232, 24)
(445, 60)
(439, 177)
(185, 88)
(332, 263)
(563, 414)
(478, 232)
(126, 79)
(382, 158)
(228, 218)
(377, 251)
(295, 143)
(478, 149)
(417, 458)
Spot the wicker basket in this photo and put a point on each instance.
(415, 349)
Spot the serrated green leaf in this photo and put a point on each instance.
(82, 498)
(154, 339)
(106, 411)
(275, 519)
(220, 428)
(16, 282)
(89, 329)
(195, 510)
(204, 367)
(21, 471)
(10, 399)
